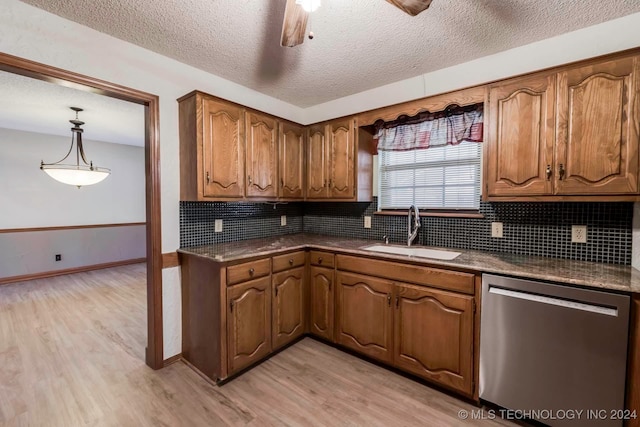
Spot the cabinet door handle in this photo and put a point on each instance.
(208, 178)
(548, 172)
(319, 260)
(561, 171)
(330, 183)
(291, 261)
(389, 300)
(329, 286)
(251, 271)
(250, 180)
(325, 184)
(281, 182)
(231, 306)
(397, 301)
(276, 291)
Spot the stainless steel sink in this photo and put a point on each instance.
(413, 251)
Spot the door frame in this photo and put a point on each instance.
(17, 65)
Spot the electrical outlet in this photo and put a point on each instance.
(283, 220)
(218, 226)
(496, 229)
(367, 222)
(58, 257)
(578, 234)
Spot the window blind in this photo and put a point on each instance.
(445, 177)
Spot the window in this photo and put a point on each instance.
(444, 177)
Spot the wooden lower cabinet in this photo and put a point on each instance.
(288, 306)
(365, 315)
(248, 322)
(434, 335)
(321, 302)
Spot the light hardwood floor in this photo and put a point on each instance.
(72, 353)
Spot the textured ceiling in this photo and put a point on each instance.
(37, 106)
(359, 44)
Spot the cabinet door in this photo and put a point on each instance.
(365, 315)
(288, 304)
(317, 159)
(262, 156)
(223, 150)
(434, 335)
(520, 137)
(597, 132)
(292, 141)
(341, 135)
(321, 304)
(248, 322)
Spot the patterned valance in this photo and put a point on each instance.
(450, 127)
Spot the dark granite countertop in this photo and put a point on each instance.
(582, 273)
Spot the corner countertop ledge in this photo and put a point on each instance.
(614, 277)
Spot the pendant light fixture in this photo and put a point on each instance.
(78, 174)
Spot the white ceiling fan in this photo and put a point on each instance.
(297, 12)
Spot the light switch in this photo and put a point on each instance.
(496, 229)
(367, 222)
(218, 226)
(283, 220)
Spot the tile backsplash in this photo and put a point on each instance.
(531, 228)
(240, 221)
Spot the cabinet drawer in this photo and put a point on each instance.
(286, 261)
(428, 276)
(323, 259)
(248, 270)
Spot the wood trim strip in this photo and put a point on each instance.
(53, 273)
(69, 227)
(170, 259)
(25, 67)
(172, 360)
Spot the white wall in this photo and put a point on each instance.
(31, 33)
(611, 36)
(30, 198)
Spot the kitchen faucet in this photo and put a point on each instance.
(411, 234)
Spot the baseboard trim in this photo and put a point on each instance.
(172, 360)
(45, 274)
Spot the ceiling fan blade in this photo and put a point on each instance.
(294, 26)
(412, 7)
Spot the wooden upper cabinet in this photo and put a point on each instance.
(341, 151)
(292, 143)
(212, 150)
(321, 305)
(317, 170)
(519, 150)
(365, 315)
(597, 128)
(288, 306)
(262, 156)
(223, 150)
(248, 322)
(434, 335)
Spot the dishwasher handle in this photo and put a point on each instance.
(551, 300)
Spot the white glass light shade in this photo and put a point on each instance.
(309, 5)
(74, 175)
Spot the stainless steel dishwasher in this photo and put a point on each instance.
(547, 348)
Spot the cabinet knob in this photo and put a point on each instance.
(249, 179)
(291, 261)
(208, 177)
(281, 182)
(389, 300)
(325, 183)
(319, 260)
(397, 301)
(251, 271)
(561, 171)
(548, 172)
